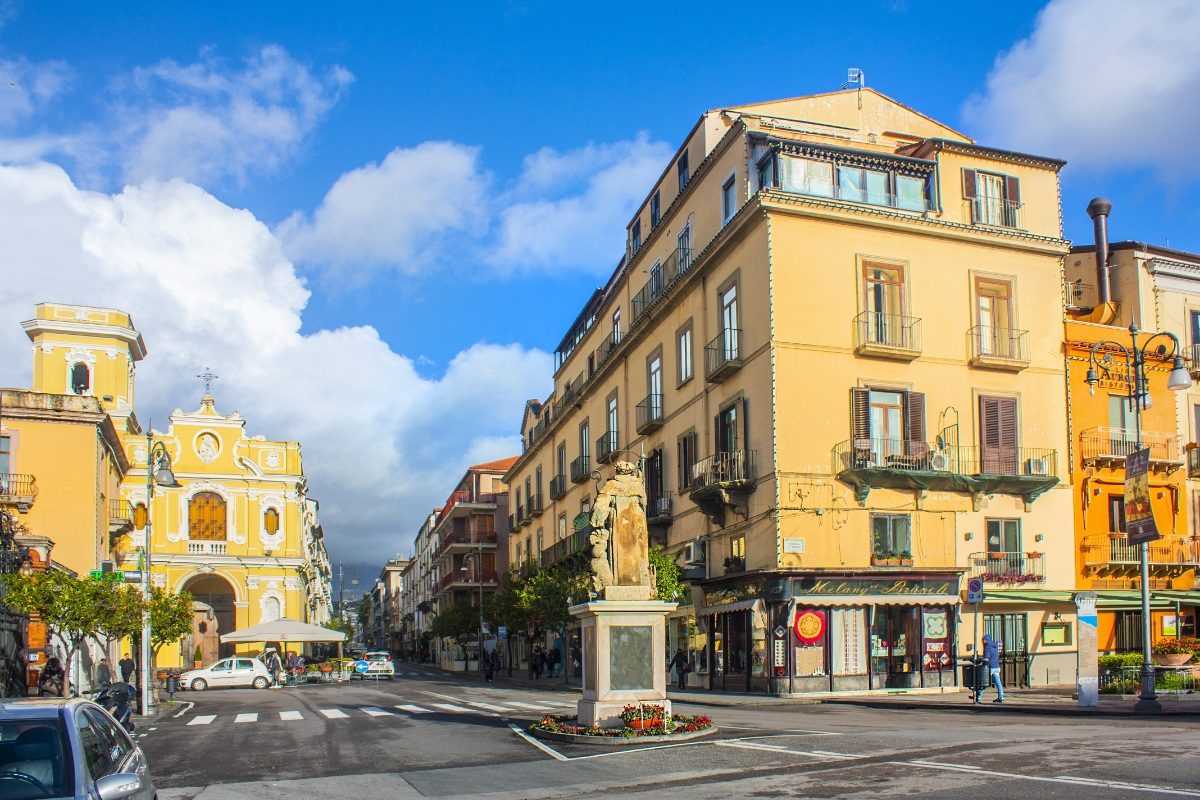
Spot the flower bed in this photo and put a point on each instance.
(672, 726)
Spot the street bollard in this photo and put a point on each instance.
(172, 686)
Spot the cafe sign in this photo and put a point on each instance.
(869, 586)
(810, 625)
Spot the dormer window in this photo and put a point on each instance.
(81, 378)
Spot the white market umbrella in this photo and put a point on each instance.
(284, 630)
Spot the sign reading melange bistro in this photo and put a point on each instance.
(868, 587)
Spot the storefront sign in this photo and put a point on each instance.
(866, 586)
(1139, 517)
(810, 625)
(935, 624)
(733, 594)
(780, 657)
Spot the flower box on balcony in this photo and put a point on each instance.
(1033, 554)
(881, 561)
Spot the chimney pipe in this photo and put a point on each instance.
(1098, 210)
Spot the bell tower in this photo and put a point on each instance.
(89, 351)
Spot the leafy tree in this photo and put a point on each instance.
(171, 617)
(666, 575)
(123, 611)
(73, 609)
(547, 593)
(505, 607)
(340, 625)
(459, 622)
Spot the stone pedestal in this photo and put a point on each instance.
(624, 657)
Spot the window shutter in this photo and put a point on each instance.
(989, 422)
(914, 422)
(860, 413)
(968, 176)
(1012, 189)
(1007, 424)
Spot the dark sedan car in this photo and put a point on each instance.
(68, 747)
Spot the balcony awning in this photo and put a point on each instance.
(1131, 599)
(1184, 598)
(864, 479)
(1026, 596)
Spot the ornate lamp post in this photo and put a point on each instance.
(1138, 398)
(477, 567)
(158, 471)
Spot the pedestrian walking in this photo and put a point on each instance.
(680, 664)
(103, 674)
(274, 666)
(576, 661)
(539, 662)
(127, 667)
(991, 656)
(50, 682)
(489, 666)
(552, 661)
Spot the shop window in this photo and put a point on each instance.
(207, 518)
(891, 536)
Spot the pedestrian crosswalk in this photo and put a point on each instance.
(493, 709)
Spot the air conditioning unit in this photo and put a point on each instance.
(940, 461)
(694, 552)
(1037, 466)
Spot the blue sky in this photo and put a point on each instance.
(403, 164)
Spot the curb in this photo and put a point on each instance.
(620, 741)
(1005, 708)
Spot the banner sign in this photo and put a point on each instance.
(1139, 518)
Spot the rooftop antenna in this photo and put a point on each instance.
(855, 78)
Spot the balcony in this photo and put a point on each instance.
(458, 577)
(650, 413)
(721, 482)
(581, 469)
(463, 498)
(571, 393)
(1081, 295)
(1112, 554)
(658, 509)
(524, 515)
(558, 487)
(996, 212)
(867, 464)
(120, 517)
(607, 446)
(887, 336)
(723, 355)
(575, 543)
(535, 505)
(1110, 446)
(662, 277)
(465, 540)
(998, 348)
(606, 348)
(17, 490)
(1008, 569)
(514, 523)
(206, 548)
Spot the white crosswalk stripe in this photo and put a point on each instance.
(488, 706)
(452, 707)
(290, 715)
(334, 713)
(532, 706)
(247, 717)
(414, 709)
(203, 719)
(375, 711)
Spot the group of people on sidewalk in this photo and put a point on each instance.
(52, 676)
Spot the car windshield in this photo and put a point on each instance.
(32, 759)
(378, 657)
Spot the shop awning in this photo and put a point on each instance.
(1183, 598)
(842, 600)
(1131, 600)
(1026, 596)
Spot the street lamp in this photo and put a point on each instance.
(1138, 398)
(158, 471)
(478, 568)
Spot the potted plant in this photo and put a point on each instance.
(905, 558)
(1033, 554)
(197, 658)
(641, 717)
(1172, 652)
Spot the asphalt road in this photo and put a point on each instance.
(430, 735)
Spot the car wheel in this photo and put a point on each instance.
(260, 683)
(199, 684)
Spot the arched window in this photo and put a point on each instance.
(139, 516)
(206, 517)
(81, 378)
(271, 521)
(270, 609)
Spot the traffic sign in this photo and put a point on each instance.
(132, 575)
(502, 632)
(115, 575)
(361, 666)
(975, 590)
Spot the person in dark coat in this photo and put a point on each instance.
(103, 674)
(680, 664)
(489, 666)
(127, 667)
(50, 682)
(991, 656)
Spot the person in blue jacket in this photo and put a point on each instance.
(991, 654)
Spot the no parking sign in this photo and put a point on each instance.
(975, 590)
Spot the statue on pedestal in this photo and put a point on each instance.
(620, 536)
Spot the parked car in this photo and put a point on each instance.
(68, 747)
(233, 671)
(379, 665)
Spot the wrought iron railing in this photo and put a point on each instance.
(607, 445)
(570, 394)
(996, 212)
(1114, 549)
(991, 344)
(650, 413)
(581, 469)
(919, 456)
(576, 542)
(606, 347)
(558, 486)
(658, 506)
(723, 354)
(1008, 568)
(468, 576)
(1081, 295)
(1099, 444)
(120, 511)
(736, 466)
(887, 331)
(471, 536)
(662, 276)
(535, 504)
(514, 523)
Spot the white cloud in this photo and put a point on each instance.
(25, 87)
(569, 210)
(395, 213)
(205, 122)
(1102, 83)
(209, 285)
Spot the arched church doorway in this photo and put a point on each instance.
(213, 615)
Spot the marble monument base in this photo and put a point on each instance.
(624, 657)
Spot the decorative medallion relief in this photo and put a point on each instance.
(207, 447)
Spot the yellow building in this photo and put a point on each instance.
(1157, 289)
(834, 344)
(238, 532)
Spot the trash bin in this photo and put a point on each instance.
(172, 685)
(975, 677)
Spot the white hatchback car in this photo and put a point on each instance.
(379, 665)
(235, 671)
